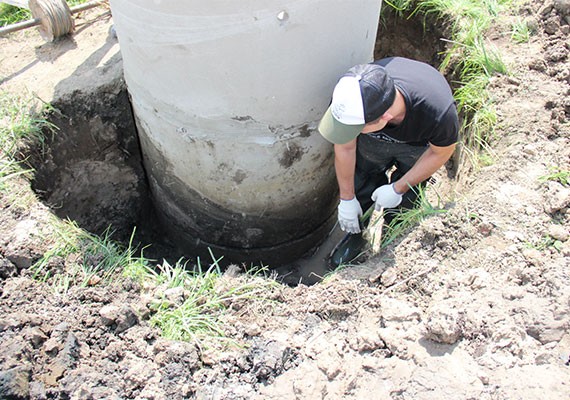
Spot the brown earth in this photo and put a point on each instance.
(470, 304)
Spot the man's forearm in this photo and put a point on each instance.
(429, 162)
(345, 164)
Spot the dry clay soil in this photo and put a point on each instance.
(470, 304)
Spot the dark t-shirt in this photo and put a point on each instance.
(431, 114)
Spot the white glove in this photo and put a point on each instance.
(348, 213)
(386, 197)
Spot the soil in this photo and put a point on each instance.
(469, 304)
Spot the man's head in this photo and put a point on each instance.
(361, 96)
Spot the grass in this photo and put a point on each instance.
(405, 219)
(207, 294)
(520, 31)
(21, 121)
(557, 174)
(11, 14)
(82, 258)
(78, 258)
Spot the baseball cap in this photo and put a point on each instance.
(362, 95)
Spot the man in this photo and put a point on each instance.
(394, 112)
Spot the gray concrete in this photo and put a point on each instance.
(227, 96)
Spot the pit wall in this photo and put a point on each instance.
(226, 97)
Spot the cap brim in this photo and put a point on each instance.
(335, 132)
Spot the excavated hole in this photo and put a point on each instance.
(91, 169)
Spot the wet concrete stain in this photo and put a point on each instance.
(291, 155)
(239, 176)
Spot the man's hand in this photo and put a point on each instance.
(386, 197)
(349, 212)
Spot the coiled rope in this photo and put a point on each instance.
(55, 18)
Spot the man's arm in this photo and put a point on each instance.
(429, 162)
(345, 164)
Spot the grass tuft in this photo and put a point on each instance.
(81, 258)
(557, 174)
(520, 31)
(405, 219)
(207, 294)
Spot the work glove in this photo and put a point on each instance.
(386, 197)
(349, 212)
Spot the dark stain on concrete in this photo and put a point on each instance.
(243, 118)
(239, 176)
(291, 155)
(305, 131)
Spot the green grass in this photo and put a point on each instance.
(82, 258)
(208, 293)
(557, 174)
(78, 258)
(405, 219)
(520, 31)
(21, 121)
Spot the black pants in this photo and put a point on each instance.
(373, 158)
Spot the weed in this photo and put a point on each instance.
(520, 31)
(546, 242)
(557, 174)
(208, 294)
(88, 259)
(11, 14)
(405, 219)
(21, 120)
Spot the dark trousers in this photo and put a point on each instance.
(373, 158)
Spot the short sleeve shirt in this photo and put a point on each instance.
(431, 114)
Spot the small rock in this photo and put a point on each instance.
(330, 363)
(532, 255)
(172, 352)
(367, 341)
(546, 8)
(389, 277)
(37, 337)
(252, 329)
(444, 324)
(557, 199)
(397, 310)
(109, 314)
(484, 378)
(7, 269)
(537, 64)
(15, 383)
(175, 294)
(57, 339)
(558, 232)
(552, 25)
(562, 6)
(126, 319)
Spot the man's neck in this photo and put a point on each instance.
(400, 109)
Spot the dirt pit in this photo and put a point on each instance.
(90, 171)
(470, 304)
